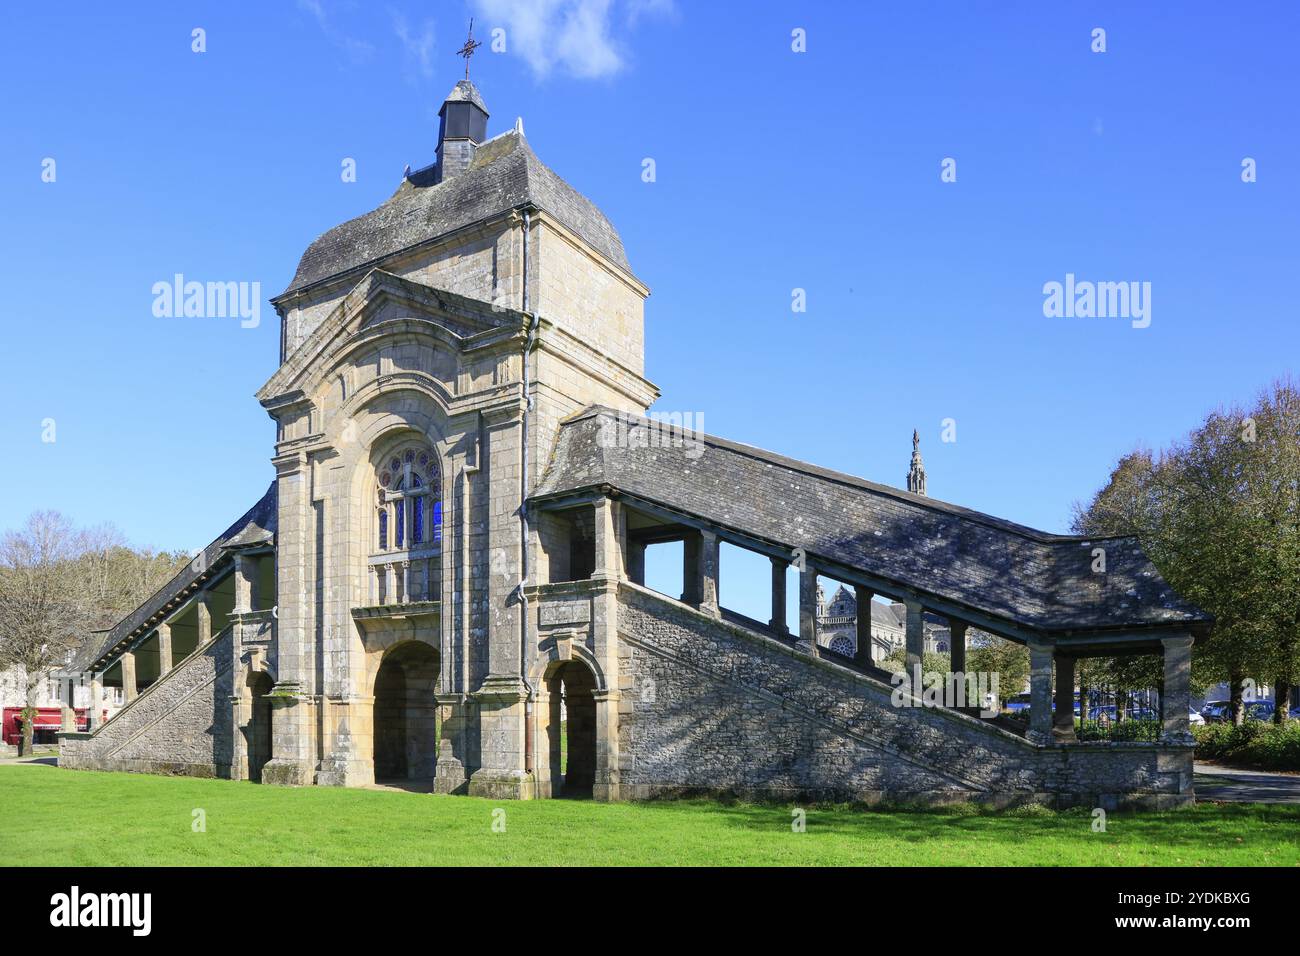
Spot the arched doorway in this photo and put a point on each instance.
(572, 728)
(405, 715)
(258, 731)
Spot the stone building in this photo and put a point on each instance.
(452, 555)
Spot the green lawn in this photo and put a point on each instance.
(64, 817)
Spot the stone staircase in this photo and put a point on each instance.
(178, 725)
(710, 705)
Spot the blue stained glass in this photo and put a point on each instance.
(417, 532)
(401, 522)
(409, 456)
(415, 480)
(395, 465)
(383, 530)
(437, 521)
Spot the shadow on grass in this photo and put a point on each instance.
(1194, 828)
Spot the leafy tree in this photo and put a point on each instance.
(1219, 515)
(43, 603)
(57, 584)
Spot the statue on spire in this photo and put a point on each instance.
(916, 474)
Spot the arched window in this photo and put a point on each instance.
(409, 513)
(842, 645)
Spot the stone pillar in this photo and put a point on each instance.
(1063, 715)
(96, 701)
(203, 613)
(708, 565)
(244, 576)
(406, 582)
(915, 649)
(1175, 702)
(128, 677)
(636, 562)
(957, 645)
(606, 784)
(607, 564)
(691, 568)
(778, 622)
(863, 598)
(1040, 694)
(808, 609)
(164, 649)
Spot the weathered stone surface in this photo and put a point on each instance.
(180, 725)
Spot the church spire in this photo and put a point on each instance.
(916, 474)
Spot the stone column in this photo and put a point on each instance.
(808, 609)
(243, 583)
(128, 677)
(915, 650)
(636, 562)
(203, 614)
(605, 787)
(691, 578)
(708, 565)
(606, 564)
(1063, 716)
(96, 701)
(957, 645)
(1040, 694)
(778, 622)
(863, 598)
(406, 582)
(164, 649)
(1175, 702)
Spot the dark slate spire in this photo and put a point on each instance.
(916, 474)
(462, 126)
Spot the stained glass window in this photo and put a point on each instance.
(383, 529)
(401, 522)
(417, 531)
(437, 520)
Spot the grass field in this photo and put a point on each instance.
(59, 817)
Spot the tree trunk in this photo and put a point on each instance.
(29, 721)
(1283, 692)
(1236, 707)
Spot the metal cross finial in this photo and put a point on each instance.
(470, 46)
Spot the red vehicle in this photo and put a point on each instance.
(49, 721)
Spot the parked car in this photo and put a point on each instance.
(1217, 711)
(1261, 710)
(1195, 719)
(1019, 704)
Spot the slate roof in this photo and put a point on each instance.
(1033, 579)
(466, 92)
(504, 174)
(255, 526)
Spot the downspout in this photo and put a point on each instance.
(523, 515)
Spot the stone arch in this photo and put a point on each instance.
(404, 737)
(570, 740)
(257, 732)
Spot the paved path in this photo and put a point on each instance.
(1230, 784)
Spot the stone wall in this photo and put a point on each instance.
(180, 725)
(710, 706)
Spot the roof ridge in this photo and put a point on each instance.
(829, 474)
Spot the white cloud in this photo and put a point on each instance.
(357, 50)
(575, 36)
(418, 47)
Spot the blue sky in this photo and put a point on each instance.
(775, 170)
